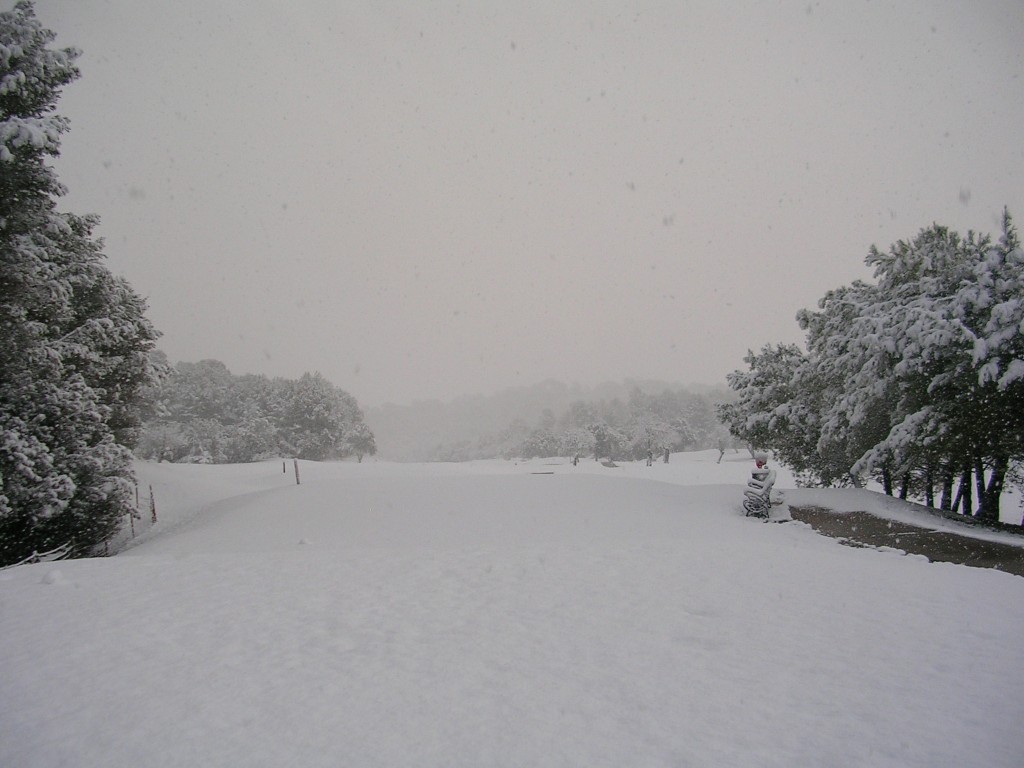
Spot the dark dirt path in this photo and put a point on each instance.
(866, 530)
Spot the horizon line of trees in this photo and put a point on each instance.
(645, 424)
(915, 380)
(202, 413)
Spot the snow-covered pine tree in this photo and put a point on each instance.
(999, 346)
(926, 344)
(359, 440)
(773, 411)
(317, 416)
(994, 300)
(74, 342)
(918, 377)
(849, 372)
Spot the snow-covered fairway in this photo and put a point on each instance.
(481, 614)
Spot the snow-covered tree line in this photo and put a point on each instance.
(604, 429)
(201, 412)
(916, 379)
(74, 341)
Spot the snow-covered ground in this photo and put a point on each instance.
(501, 613)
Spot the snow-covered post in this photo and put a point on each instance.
(296, 461)
(152, 505)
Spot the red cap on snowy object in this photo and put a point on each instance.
(760, 458)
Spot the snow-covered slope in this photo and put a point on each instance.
(495, 614)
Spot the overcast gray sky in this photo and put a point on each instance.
(424, 200)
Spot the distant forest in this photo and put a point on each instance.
(202, 413)
(613, 420)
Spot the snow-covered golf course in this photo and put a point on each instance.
(508, 614)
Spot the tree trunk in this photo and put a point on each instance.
(946, 502)
(979, 480)
(966, 493)
(905, 486)
(887, 481)
(929, 487)
(989, 511)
